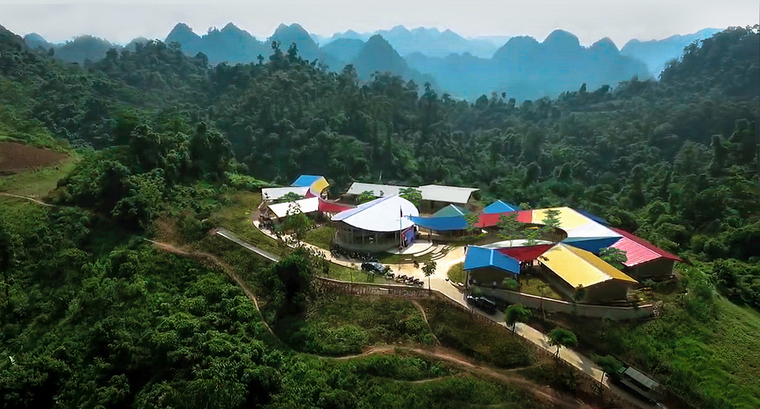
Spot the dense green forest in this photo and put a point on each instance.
(98, 317)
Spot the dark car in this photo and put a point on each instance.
(485, 304)
(376, 268)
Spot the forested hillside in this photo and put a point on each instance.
(673, 161)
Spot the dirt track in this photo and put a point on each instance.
(16, 157)
(542, 393)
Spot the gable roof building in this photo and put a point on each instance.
(645, 260)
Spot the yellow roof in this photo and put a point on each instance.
(580, 267)
(568, 218)
(319, 185)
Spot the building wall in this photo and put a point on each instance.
(587, 310)
(607, 291)
(487, 276)
(659, 269)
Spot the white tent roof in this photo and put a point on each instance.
(448, 194)
(382, 215)
(387, 190)
(592, 229)
(309, 205)
(273, 193)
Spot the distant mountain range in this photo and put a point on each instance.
(428, 41)
(522, 67)
(656, 53)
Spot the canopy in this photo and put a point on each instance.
(500, 207)
(326, 206)
(318, 183)
(579, 267)
(309, 205)
(481, 257)
(386, 214)
(592, 237)
(441, 223)
(525, 253)
(640, 251)
(451, 210)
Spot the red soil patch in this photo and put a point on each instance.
(16, 157)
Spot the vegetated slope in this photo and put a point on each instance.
(656, 53)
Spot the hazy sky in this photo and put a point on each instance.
(590, 20)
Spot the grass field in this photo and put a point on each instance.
(455, 328)
(341, 324)
(36, 182)
(456, 273)
(320, 236)
(534, 285)
(708, 359)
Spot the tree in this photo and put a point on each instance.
(429, 269)
(516, 313)
(614, 256)
(579, 294)
(5, 256)
(550, 223)
(297, 221)
(365, 196)
(561, 337)
(609, 364)
(411, 194)
(289, 197)
(509, 227)
(472, 220)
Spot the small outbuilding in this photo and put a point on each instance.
(571, 269)
(645, 260)
(487, 267)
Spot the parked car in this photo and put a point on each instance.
(375, 268)
(485, 304)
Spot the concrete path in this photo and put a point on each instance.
(439, 282)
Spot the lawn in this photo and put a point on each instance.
(456, 273)
(706, 352)
(341, 324)
(320, 236)
(534, 286)
(36, 182)
(455, 329)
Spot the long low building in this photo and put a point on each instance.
(576, 268)
(434, 197)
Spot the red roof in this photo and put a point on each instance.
(492, 219)
(525, 253)
(640, 251)
(326, 206)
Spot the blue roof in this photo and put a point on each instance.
(500, 207)
(592, 244)
(593, 217)
(306, 180)
(480, 257)
(441, 223)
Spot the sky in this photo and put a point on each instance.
(590, 20)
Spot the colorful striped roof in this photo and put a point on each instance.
(481, 257)
(579, 267)
(640, 251)
(315, 182)
(568, 218)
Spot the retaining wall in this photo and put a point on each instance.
(586, 310)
